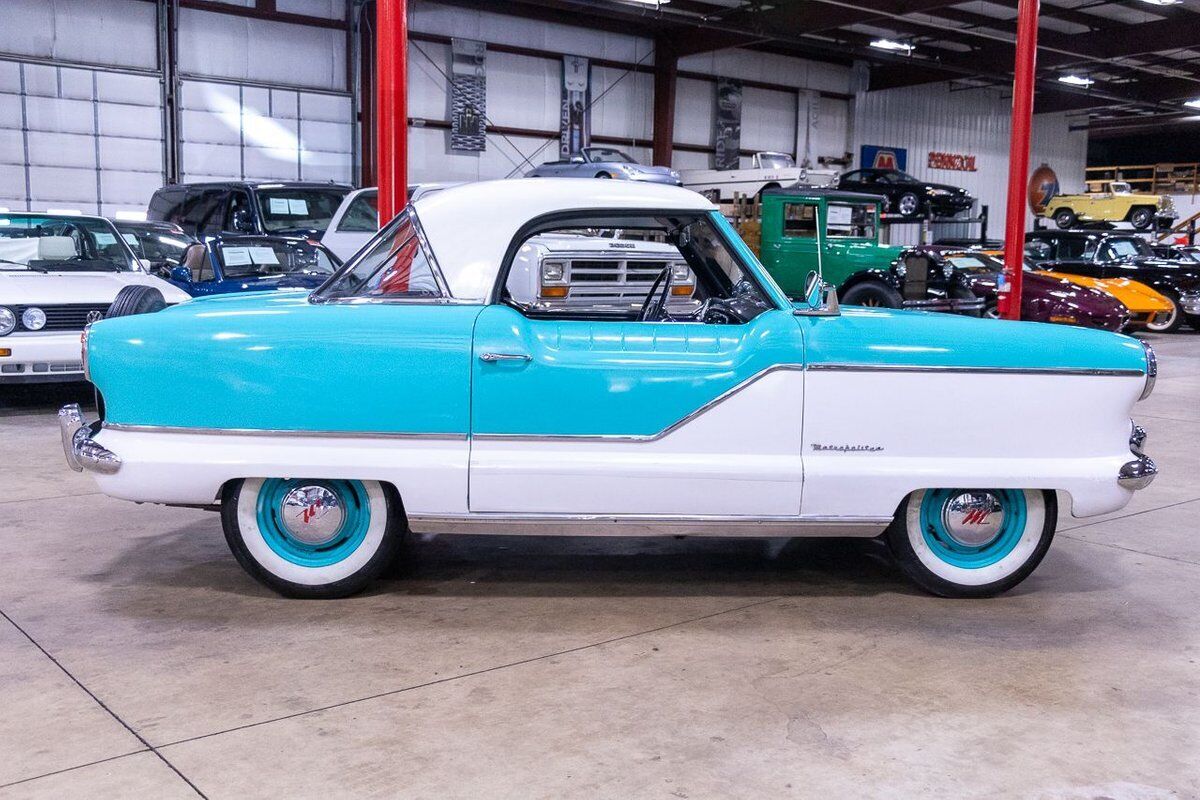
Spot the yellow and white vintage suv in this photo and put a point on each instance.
(424, 389)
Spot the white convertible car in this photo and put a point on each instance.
(57, 274)
(426, 387)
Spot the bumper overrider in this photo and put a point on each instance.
(81, 450)
(1139, 473)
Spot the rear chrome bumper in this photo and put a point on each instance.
(1139, 473)
(81, 451)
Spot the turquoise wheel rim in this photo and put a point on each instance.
(957, 554)
(348, 536)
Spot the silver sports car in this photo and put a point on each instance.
(604, 162)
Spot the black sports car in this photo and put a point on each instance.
(905, 194)
(1105, 254)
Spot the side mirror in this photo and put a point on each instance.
(181, 274)
(820, 298)
(242, 222)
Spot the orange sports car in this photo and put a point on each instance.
(1144, 303)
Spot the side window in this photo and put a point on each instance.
(396, 266)
(200, 207)
(362, 216)
(1076, 248)
(853, 177)
(800, 220)
(166, 205)
(642, 269)
(850, 220)
(1039, 250)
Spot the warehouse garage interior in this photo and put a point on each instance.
(139, 659)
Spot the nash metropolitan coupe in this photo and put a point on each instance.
(419, 390)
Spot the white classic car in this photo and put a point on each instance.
(422, 389)
(766, 171)
(57, 274)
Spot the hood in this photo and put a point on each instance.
(28, 287)
(957, 190)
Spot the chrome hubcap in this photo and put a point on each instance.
(974, 518)
(908, 204)
(312, 514)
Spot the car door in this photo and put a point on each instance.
(790, 239)
(658, 418)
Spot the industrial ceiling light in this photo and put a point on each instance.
(1193, 103)
(888, 44)
(1163, 2)
(654, 3)
(1075, 80)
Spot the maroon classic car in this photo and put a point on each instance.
(1043, 299)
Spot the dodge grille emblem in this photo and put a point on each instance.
(94, 316)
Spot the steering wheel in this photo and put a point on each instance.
(656, 299)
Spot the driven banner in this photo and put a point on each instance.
(728, 121)
(575, 127)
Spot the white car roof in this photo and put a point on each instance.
(470, 227)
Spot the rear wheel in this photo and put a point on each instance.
(972, 542)
(1141, 218)
(873, 295)
(1065, 218)
(312, 538)
(1167, 321)
(603, 175)
(136, 300)
(908, 204)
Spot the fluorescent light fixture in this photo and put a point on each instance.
(1193, 103)
(650, 2)
(1075, 80)
(65, 212)
(5, 210)
(1163, 2)
(888, 44)
(132, 216)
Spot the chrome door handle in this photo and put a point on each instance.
(492, 358)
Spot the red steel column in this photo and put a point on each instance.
(1018, 156)
(391, 113)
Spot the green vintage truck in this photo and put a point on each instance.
(837, 233)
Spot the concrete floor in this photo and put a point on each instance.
(136, 659)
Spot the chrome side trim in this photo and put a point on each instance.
(645, 525)
(648, 437)
(838, 367)
(120, 426)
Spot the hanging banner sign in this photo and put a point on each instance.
(727, 134)
(575, 118)
(873, 156)
(468, 95)
(955, 161)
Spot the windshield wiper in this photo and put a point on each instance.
(43, 270)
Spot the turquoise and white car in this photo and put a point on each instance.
(420, 390)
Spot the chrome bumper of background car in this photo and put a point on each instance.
(1139, 473)
(1189, 302)
(83, 452)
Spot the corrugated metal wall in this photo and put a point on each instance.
(523, 92)
(970, 121)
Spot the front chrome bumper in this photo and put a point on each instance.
(81, 450)
(1139, 473)
(1189, 302)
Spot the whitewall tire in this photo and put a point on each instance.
(972, 542)
(314, 538)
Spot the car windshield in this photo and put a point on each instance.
(61, 243)
(896, 176)
(159, 246)
(1125, 247)
(974, 262)
(294, 210)
(607, 154)
(261, 256)
(1191, 255)
(775, 161)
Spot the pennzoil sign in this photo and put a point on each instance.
(955, 161)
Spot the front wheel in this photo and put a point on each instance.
(873, 295)
(908, 205)
(312, 538)
(1141, 218)
(136, 299)
(972, 542)
(1167, 321)
(1065, 218)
